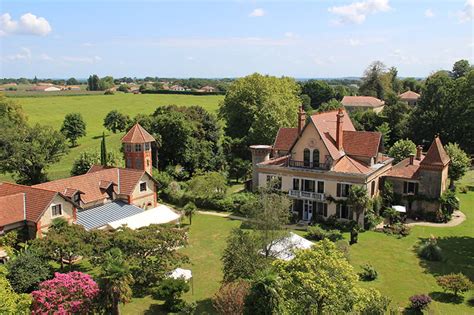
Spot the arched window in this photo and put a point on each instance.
(315, 158)
(306, 157)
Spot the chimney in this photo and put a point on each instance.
(301, 119)
(412, 158)
(418, 152)
(340, 116)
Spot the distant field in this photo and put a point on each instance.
(51, 110)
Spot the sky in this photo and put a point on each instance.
(214, 39)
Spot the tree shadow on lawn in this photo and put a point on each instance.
(99, 137)
(458, 256)
(205, 307)
(156, 309)
(444, 297)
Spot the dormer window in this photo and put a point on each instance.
(57, 210)
(76, 198)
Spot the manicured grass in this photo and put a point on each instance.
(51, 111)
(401, 273)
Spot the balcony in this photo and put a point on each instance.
(306, 195)
(308, 165)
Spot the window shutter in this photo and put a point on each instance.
(325, 209)
(338, 210)
(405, 187)
(416, 188)
(338, 194)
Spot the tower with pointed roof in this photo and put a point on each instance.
(137, 148)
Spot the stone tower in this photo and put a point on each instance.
(137, 148)
(260, 153)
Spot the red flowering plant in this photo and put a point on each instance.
(66, 293)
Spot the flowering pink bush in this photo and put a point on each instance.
(66, 293)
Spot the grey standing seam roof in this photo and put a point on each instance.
(101, 215)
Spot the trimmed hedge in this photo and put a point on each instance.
(180, 92)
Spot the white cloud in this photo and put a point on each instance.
(45, 57)
(89, 60)
(354, 42)
(290, 35)
(429, 13)
(24, 54)
(87, 44)
(357, 12)
(257, 12)
(29, 24)
(467, 13)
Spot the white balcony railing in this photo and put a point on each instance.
(306, 195)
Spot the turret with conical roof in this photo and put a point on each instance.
(137, 147)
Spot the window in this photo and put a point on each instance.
(138, 164)
(147, 162)
(138, 147)
(129, 163)
(77, 198)
(296, 184)
(128, 148)
(57, 210)
(343, 212)
(306, 157)
(147, 146)
(321, 208)
(321, 187)
(308, 185)
(410, 188)
(372, 188)
(316, 158)
(143, 186)
(343, 190)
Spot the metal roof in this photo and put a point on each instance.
(99, 216)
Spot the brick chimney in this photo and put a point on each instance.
(418, 152)
(301, 119)
(412, 159)
(340, 116)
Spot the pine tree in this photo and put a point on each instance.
(103, 151)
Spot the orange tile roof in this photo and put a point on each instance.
(409, 95)
(362, 101)
(37, 199)
(404, 169)
(436, 155)
(137, 134)
(285, 138)
(361, 143)
(349, 165)
(91, 183)
(326, 125)
(12, 209)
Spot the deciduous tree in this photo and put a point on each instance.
(10, 301)
(73, 127)
(460, 162)
(319, 92)
(116, 121)
(401, 150)
(230, 298)
(27, 270)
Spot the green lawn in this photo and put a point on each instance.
(401, 272)
(50, 110)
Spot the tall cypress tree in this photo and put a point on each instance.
(103, 151)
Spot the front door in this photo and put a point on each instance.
(307, 210)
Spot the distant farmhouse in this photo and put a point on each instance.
(352, 103)
(318, 162)
(410, 97)
(96, 200)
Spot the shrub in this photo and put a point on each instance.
(316, 233)
(397, 229)
(368, 273)
(170, 290)
(429, 250)
(26, 271)
(463, 189)
(109, 92)
(230, 299)
(344, 247)
(70, 293)
(371, 219)
(419, 302)
(456, 283)
(392, 215)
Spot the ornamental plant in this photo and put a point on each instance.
(66, 293)
(456, 283)
(419, 302)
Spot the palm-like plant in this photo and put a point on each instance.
(116, 281)
(189, 209)
(359, 200)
